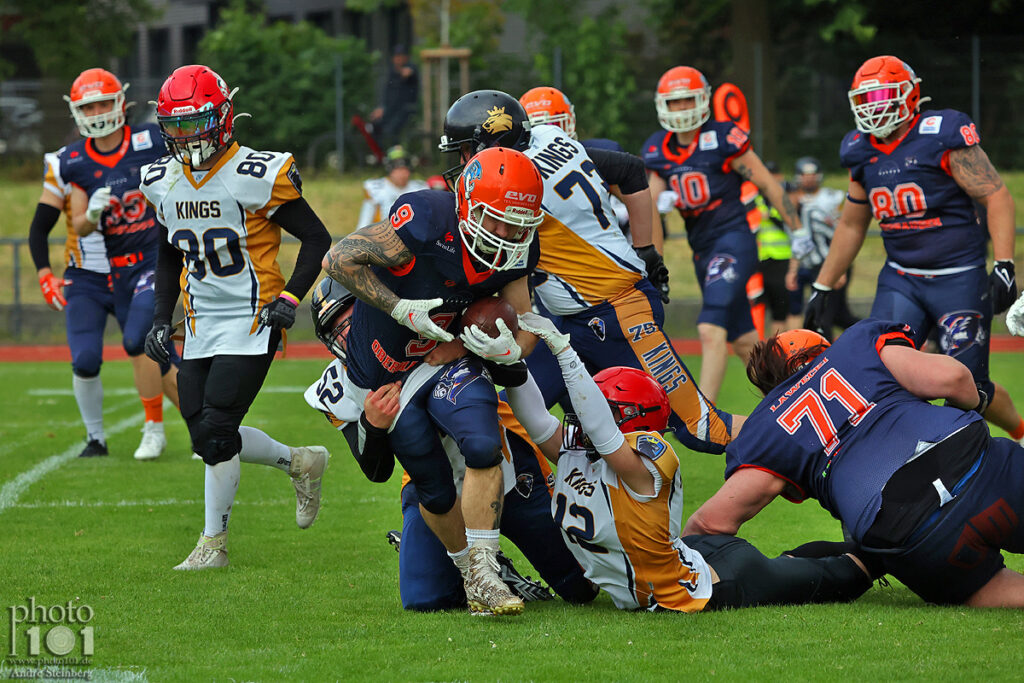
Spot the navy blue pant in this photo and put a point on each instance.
(628, 331)
(90, 301)
(958, 305)
(722, 273)
(428, 579)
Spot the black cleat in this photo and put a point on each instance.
(93, 448)
(395, 538)
(523, 586)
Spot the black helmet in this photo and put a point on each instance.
(486, 118)
(808, 166)
(330, 300)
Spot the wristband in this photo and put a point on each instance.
(820, 287)
(289, 297)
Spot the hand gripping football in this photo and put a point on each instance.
(485, 312)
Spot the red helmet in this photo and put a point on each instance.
(638, 402)
(97, 85)
(504, 184)
(679, 83)
(195, 113)
(550, 105)
(885, 93)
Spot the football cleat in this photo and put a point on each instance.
(486, 593)
(395, 539)
(523, 586)
(153, 441)
(308, 465)
(210, 553)
(94, 448)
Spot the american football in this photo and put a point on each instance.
(484, 313)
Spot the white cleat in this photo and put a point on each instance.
(210, 553)
(308, 465)
(486, 593)
(196, 456)
(153, 441)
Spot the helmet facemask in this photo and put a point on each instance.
(880, 108)
(683, 120)
(494, 252)
(194, 137)
(99, 125)
(565, 120)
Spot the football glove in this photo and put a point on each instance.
(983, 401)
(98, 203)
(278, 315)
(821, 310)
(1015, 318)
(51, 286)
(502, 349)
(546, 330)
(657, 273)
(158, 341)
(415, 314)
(1002, 286)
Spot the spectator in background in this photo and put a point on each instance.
(398, 94)
(819, 211)
(774, 253)
(380, 193)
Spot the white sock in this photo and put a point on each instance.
(259, 448)
(488, 538)
(461, 560)
(89, 396)
(221, 486)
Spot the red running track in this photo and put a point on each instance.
(309, 349)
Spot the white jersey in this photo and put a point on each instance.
(586, 258)
(819, 213)
(221, 221)
(626, 542)
(379, 194)
(88, 252)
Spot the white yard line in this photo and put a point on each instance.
(10, 446)
(139, 503)
(127, 391)
(13, 489)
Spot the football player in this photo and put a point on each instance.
(220, 208)
(819, 211)
(446, 250)
(381, 193)
(618, 499)
(706, 162)
(110, 253)
(427, 578)
(589, 279)
(924, 489)
(918, 173)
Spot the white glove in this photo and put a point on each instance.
(501, 349)
(98, 202)
(415, 314)
(1015, 317)
(546, 330)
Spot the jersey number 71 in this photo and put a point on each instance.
(810, 406)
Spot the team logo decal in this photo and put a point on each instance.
(597, 325)
(931, 125)
(472, 174)
(721, 267)
(651, 447)
(524, 484)
(146, 282)
(497, 121)
(708, 140)
(454, 381)
(141, 140)
(960, 331)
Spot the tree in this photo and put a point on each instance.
(285, 74)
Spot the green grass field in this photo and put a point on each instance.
(322, 604)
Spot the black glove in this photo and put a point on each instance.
(279, 314)
(158, 341)
(513, 375)
(983, 401)
(821, 311)
(657, 273)
(1002, 286)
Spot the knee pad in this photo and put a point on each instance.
(214, 451)
(480, 452)
(87, 364)
(437, 498)
(133, 345)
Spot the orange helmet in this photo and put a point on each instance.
(504, 184)
(679, 83)
(97, 85)
(550, 105)
(885, 93)
(793, 342)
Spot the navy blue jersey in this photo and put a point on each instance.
(380, 350)
(927, 220)
(129, 226)
(838, 429)
(707, 189)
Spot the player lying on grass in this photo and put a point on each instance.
(619, 501)
(924, 489)
(427, 578)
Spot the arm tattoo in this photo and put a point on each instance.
(973, 172)
(743, 170)
(789, 209)
(349, 262)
